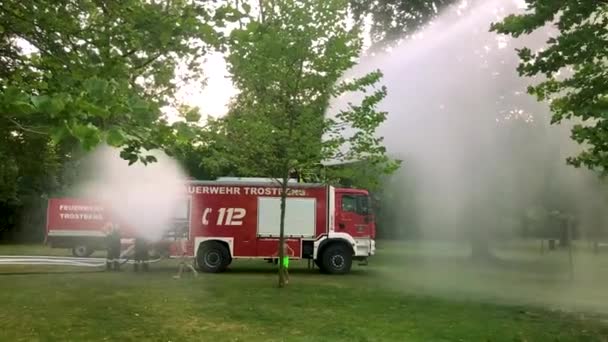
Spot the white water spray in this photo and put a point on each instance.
(478, 153)
(145, 197)
(476, 147)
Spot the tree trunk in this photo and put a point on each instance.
(262, 16)
(596, 246)
(564, 234)
(569, 240)
(282, 227)
(238, 8)
(480, 238)
(480, 248)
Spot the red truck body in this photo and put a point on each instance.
(229, 219)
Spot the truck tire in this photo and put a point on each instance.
(337, 259)
(212, 257)
(82, 251)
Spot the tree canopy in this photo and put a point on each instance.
(287, 68)
(96, 70)
(76, 74)
(392, 20)
(573, 69)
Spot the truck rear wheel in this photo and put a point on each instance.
(82, 251)
(213, 257)
(337, 259)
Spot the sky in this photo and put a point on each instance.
(212, 99)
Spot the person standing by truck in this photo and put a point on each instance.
(183, 258)
(141, 254)
(113, 246)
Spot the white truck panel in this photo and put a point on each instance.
(300, 217)
(331, 206)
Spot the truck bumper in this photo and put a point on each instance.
(365, 247)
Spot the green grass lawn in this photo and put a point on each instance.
(409, 292)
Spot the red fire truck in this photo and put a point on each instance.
(239, 218)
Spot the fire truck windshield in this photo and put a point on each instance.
(357, 203)
(364, 205)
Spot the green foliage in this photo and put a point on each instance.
(8, 173)
(77, 74)
(287, 68)
(392, 20)
(578, 52)
(97, 70)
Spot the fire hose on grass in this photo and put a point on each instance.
(62, 261)
(49, 260)
(126, 257)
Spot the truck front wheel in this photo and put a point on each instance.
(82, 251)
(213, 257)
(337, 259)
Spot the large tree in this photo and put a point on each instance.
(74, 74)
(287, 64)
(572, 67)
(96, 70)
